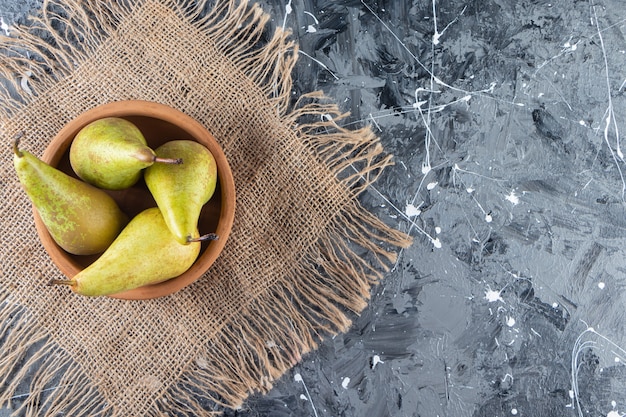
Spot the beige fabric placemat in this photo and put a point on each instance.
(302, 255)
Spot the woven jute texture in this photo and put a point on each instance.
(303, 253)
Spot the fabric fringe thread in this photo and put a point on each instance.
(309, 305)
(67, 32)
(313, 302)
(27, 352)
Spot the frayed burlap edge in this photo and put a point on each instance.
(310, 304)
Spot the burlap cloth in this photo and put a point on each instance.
(303, 253)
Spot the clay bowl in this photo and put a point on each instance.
(159, 124)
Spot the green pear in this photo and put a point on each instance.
(111, 153)
(180, 191)
(82, 219)
(144, 253)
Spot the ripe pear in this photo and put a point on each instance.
(82, 219)
(180, 191)
(144, 253)
(111, 153)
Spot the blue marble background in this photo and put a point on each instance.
(506, 121)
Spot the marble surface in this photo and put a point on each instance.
(506, 120)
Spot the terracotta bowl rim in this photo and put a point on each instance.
(141, 108)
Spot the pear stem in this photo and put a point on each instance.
(208, 236)
(16, 144)
(173, 161)
(70, 282)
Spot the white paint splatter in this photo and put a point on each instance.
(514, 411)
(488, 218)
(437, 229)
(321, 64)
(419, 104)
(601, 285)
(345, 383)
(555, 305)
(512, 198)
(436, 37)
(432, 185)
(311, 29)
(4, 26)
(510, 321)
(288, 10)
(568, 45)
(493, 296)
(410, 210)
(303, 397)
(317, 22)
(438, 34)
(436, 243)
(298, 378)
(470, 190)
(375, 361)
(613, 413)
